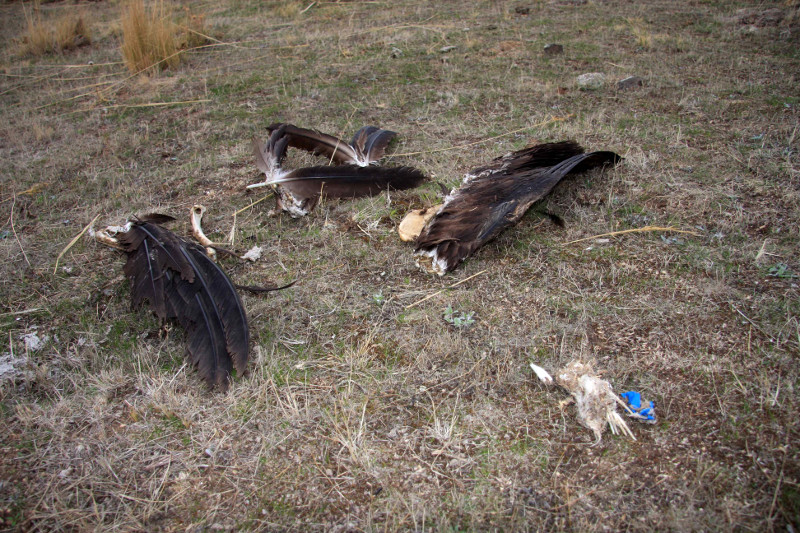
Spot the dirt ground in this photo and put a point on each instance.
(366, 406)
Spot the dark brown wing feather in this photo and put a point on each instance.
(486, 205)
(349, 181)
(180, 282)
(270, 156)
(540, 155)
(370, 143)
(317, 143)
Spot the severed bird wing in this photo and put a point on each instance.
(180, 282)
(487, 204)
(540, 155)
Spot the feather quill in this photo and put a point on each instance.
(496, 196)
(180, 282)
(368, 144)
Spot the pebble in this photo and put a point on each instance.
(630, 82)
(591, 80)
(553, 49)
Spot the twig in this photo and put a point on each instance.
(232, 234)
(634, 230)
(454, 285)
(135, 106)
(73, 241)
(573, 501)
(770, 517)
(82, 65)
(307, 8)
(770, 337)
(23, 312)
(253, 204)
(540, 124)
(14, 231)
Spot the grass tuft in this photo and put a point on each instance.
(152, 40)
(149, 37)
(67, 32)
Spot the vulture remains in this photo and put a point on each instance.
(180, 282)
(495, 196)
(368, 144)
(299, 190)
(595, 400)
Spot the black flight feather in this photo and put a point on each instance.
(349, 181)
(269, 157)
(495, 197)
(317, 143)
(540, 155)
(368, 144)
(180, 282)
(299, 190)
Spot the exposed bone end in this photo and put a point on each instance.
(197, 212)
(412, 224)
(107, 236)
(104, 237)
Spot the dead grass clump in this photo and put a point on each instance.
(70, 32)
(149, 37)
(644, 39)
(152, 40)
(193, 30)
(41, 37)
(288, 9)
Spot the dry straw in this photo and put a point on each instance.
(152, 40)
(148, 37)
(67, 32)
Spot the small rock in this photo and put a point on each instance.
(629, 83)
(591, 81)
(446, 49)
(553, 49)
(396, 52)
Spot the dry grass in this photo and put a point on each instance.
(149, 37)
(361, 411)
(53, 35)
(152, 40)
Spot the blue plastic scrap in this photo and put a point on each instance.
(634, 402)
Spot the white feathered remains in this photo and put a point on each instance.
(594, 398)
